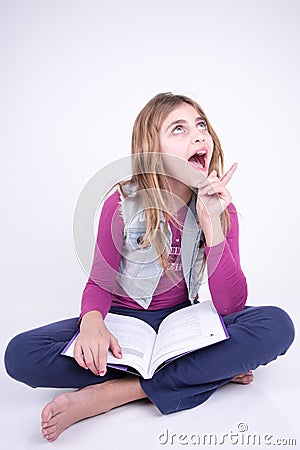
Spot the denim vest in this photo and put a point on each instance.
(139, 269)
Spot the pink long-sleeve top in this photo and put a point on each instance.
(227, 283)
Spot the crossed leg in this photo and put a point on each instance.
(69, 408)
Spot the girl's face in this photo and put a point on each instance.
(184, 134)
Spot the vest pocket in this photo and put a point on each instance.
(135, 239)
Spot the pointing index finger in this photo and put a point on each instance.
(227, 177)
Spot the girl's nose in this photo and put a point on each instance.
(198, 138)
(198, 135)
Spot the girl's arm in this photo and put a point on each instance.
(97, 294)
(94, 339)
(226, 280)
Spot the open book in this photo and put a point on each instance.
(145, 351)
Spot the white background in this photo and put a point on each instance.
(74, 75)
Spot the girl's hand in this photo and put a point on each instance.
(213, 197)
(92, 344)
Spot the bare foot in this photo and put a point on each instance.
(244, 378)
(68, 408)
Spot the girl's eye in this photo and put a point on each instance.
(202, 125)
(178, 129)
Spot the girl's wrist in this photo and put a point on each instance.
(91, 318)
(213, 231)
(209, 221)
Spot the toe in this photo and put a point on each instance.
(47, 412)
(51, 437)
(51, 410)
(50, 432)
(244, 378)
(248, 379)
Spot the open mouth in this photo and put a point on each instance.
(198, 160)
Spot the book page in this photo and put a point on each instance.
(187, 329)
(136, 339)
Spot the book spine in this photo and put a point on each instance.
(223, 325)
(70, 343)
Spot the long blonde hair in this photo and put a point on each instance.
(150, 181)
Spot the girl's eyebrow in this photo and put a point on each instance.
(179, 121)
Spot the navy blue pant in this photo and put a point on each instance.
(258, 335)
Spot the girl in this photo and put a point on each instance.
(169, 126)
